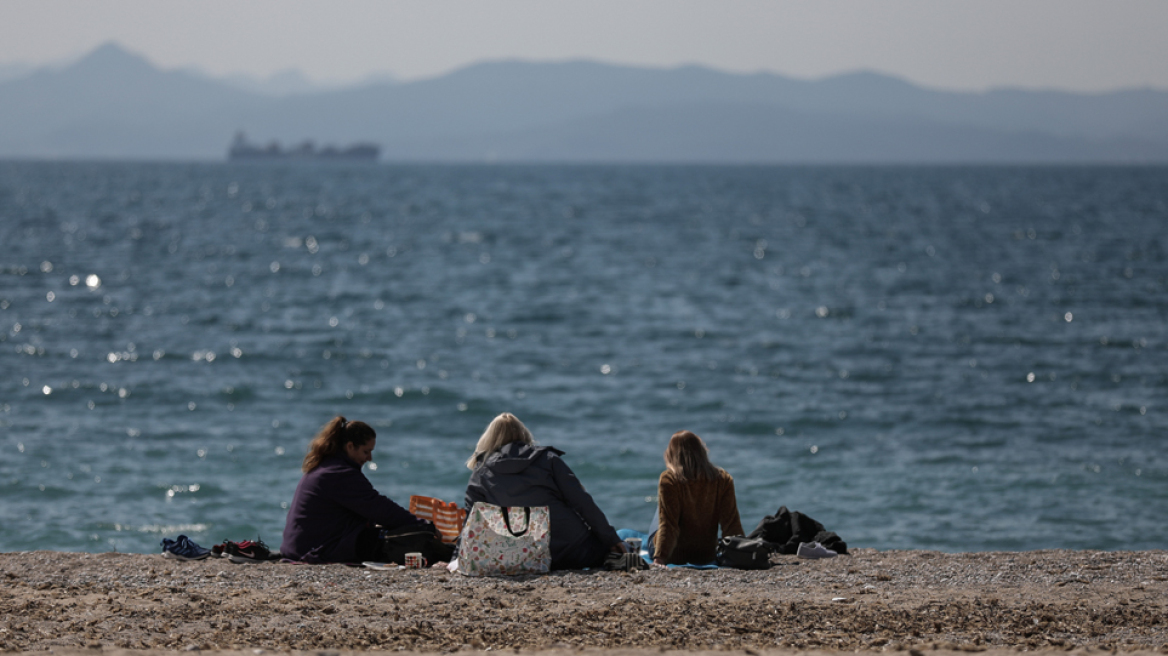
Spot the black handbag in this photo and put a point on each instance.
(738, 552)
(396, 543)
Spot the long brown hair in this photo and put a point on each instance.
(688, 458)
(333, 437)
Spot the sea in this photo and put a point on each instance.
(940, 358)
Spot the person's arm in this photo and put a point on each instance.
(668, 510)
(354, 492)
(580, 501)
(474, 492)
(728, 510)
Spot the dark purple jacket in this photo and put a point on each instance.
(332, 504)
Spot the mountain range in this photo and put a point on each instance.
(113, 104)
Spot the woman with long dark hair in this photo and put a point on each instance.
(336, 514)
(694, 498)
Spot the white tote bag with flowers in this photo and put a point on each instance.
(505, 541)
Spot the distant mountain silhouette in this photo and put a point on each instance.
(115, 104)
(15, 71)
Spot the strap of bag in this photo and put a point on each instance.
(526, 521)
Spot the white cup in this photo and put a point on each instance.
(415, 560)
(634, 545)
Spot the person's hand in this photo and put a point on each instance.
(620, 547)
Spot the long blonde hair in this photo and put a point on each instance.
(333, 437)
(688, 458)
(503, 430)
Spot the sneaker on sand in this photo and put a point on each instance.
(814, 550)
(225, 548)
(183, 549)
(246, 551)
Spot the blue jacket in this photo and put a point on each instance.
(333, 503)
(523, 475)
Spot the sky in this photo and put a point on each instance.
(1079, 45)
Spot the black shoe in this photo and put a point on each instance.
(246, 551)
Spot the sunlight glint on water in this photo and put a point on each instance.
(947, 358)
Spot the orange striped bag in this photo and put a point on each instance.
(447, 516)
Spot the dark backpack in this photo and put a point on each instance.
(743, 553)
(786, 529)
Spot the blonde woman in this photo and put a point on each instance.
(694, 499)
(508, 469)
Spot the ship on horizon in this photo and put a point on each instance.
(242, 150)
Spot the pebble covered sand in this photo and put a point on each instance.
(871, 600)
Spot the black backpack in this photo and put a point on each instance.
(786, 529)
(743, 553)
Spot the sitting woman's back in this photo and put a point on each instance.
(336, 514)
(510, 470)
(694, 499)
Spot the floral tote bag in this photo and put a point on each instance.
(505, 541)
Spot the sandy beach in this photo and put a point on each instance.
(871, 600)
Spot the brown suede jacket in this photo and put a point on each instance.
(690, 513)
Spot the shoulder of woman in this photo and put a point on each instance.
(548, 453)
(667, 478)
(334, 467)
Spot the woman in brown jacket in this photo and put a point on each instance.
(694, 498)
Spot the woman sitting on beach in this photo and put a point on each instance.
(336, 511)
(510, 470)
(694, 498)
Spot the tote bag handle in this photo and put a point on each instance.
(526, 521)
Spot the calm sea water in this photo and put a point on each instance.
(943, 358)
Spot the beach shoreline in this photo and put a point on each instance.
(869, 601)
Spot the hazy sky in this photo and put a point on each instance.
(959, 44)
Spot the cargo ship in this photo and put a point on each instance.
(242, 150)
